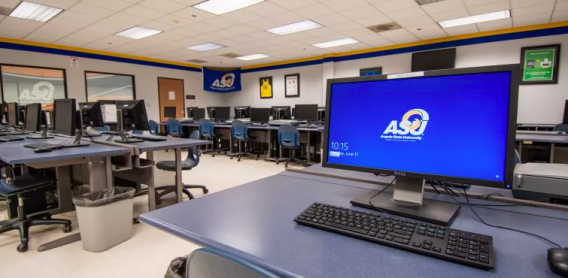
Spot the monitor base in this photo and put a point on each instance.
(431, 211)
(129, 140)
(39, 137)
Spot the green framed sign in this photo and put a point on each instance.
(540, 64)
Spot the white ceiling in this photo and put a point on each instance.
(92, 24)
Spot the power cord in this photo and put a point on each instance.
(386, 187)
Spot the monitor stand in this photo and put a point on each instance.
(407, 200)
(42, 136)
(127, 140)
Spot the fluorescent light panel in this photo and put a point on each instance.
(33, 11)
(294, 27)
(336, 43)
(252, 57)
(475, 19)
(220, 7)
(205, 47)
(138, 32)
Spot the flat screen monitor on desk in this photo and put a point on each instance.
(92, 114)
(64, 111)
(219, 114)
(242, 112)
(281, 113)
(13, 114)
(22, 115)
(2, 112)
(417, 134)
(33, 117)
(321, 114)
(306, 112)
(198, 113)
(132, 116)
(170, 112)
(190, 112)
(260, 115)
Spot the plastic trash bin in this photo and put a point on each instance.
(105, 217)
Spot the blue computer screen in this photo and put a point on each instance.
(447, 125)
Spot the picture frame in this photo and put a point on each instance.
(266, 87)
(292, 85)
(540, 64)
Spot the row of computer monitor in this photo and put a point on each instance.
(66, 119)
(301, 112)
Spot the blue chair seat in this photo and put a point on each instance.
(23, 183)
(171, 165)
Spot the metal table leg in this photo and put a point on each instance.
(552, 153)
(63, 174)
(179, 183)
(309, 148)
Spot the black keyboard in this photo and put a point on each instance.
(10, 138)
(449, 244)
(44, 145)
(152, 138)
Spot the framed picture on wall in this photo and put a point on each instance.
(292, 85)
(540, 64)
(265, 87)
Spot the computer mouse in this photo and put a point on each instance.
(558, 261)
(42, 150)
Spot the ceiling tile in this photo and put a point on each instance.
(380, 43)
(241, 16)
(314, 11)
(144, 12)
(492, 7)
(293, 4)
(362, 12)
(546, 8)
(9, 3)
(79, 17)
(320, 31)
(188, 2)
(395, 33)
(427, 32)
(159, 25)
(263, 24)
(532, 19)
(287, 18)
(479, 2)
(127, 48)
(227, 42)
(107, 42)
(166, 6)
(243, 39)
(71, 42)
(126, 18)
(62, 4)
(395, 5)
(359, 32)
(262, 35)
(220, 22)
(242, 29)
(504, 23)
(53, 31)
(404, 39)
(115, 5)
(85, 35)
(560, 15)
(331, 19)
(443, 6)
(527, 3)
(17, 28)
(194, 14)
(200, 28)
(450, 14)
(186, 32)
(406, 13)
(91, 10)
(561, 5)
(265, 9)
(342, 5)
(373, 20)
(417, 21)
(224, 34)
(345, 26)
(175, 20)
(461, 30)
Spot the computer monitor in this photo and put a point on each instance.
(13, 114)
(92, 114)
(131, 116)
(64, 111)
(219, 114)
(260, 115)
(48, 119)
(565, 118)
(306, 112)
(242, 112)
(22, 115)
(419, 133)
(198, 113)
(190, 112)
(321, 114)
(281, 113)
(1, 113)
(170, 112)
(33, 117)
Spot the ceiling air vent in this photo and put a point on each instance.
(384, 27)
(424, 2)
(197, 61)
(232, 55)
(5, 10)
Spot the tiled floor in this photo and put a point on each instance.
(149, 251)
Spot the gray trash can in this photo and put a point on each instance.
(105, 217)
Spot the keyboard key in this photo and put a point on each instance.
(359, 231)
(413, 222)
(451, 242)
(389, 229)
(432, 230)
(422, 228)
(462, 245)
(484, 258)
(427, 242)
(450, 247)
(440, 232)
(381, 236)
(473, 247)
(430, 234)
(471, 257)
(416, 244)
(472, 252)
(398, 235)
(390, 238)
(473, 243)
(440, 236)
(442, 228)
(372, 234)
(400, 240)
(427, 247)
(403, 232)
(382, 232)
(484, 240)
(421, 232)
(463, 250)
(437, 249)
(484, 248)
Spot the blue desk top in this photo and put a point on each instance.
(254, 222)
(15, 153)
(170, 143)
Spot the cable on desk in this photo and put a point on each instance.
(506, 228)
(370, 199)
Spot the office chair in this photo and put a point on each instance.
(19, 186)
(189, 163)
(239, 132)
(207, 131)
(154, 127)
(103, 128)
(289, 138)
(174, 128)
(209, 263)
(561, 127)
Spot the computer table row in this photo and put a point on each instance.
(258, 226)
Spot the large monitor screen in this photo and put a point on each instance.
(453, 125)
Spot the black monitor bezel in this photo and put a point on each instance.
(269, 110)
(170, 108)
(246, 108)
(38, 118)
(300, 106)
(219, 107)
(511, 126)
(92, 108)
(16, 115)
(287, 112)
(72, 114)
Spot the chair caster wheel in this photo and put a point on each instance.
(205, 191)
(256, 159)
(212, 155)
(22, 248)
(135, 220)
(67, 229)
(277, 163)
(231, 157)
(239, 160)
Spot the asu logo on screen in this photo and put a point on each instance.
(410, 128)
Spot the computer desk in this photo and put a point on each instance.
(537, 126)
(550, 137)
(98, 157)
(254, 222)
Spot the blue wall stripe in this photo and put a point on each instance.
(48, 50)
(457, 43)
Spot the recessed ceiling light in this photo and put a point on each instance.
(475, 19)
(138, 32)
(252, 57)
(294, 27)
(335, 43)
(219, 7)
(33, 11)
(205, 47)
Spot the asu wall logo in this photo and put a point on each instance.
(226, 81)
(410, 128)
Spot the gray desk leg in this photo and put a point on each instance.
(552, 153)
(269, 144)
(108, 170)
(309, 148)
(63, 174)
(179, 183)
(151, 185)
(101, 175)
(321, 147)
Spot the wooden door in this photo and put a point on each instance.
(171, 95)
